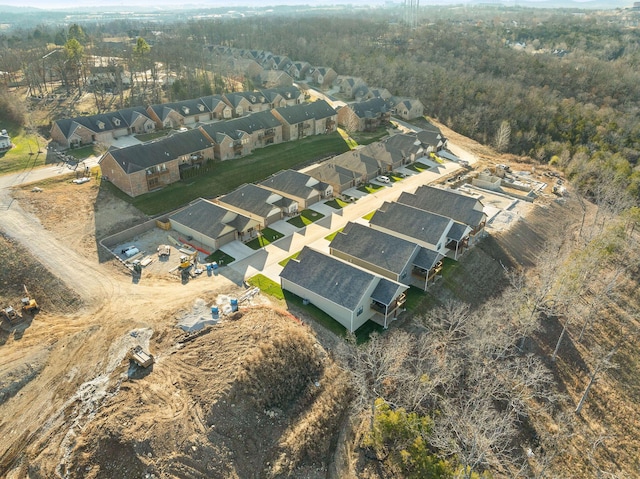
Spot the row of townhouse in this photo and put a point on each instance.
(104, 128)
(277, 70)
(369, 268)
(148, 166)
(288, 192)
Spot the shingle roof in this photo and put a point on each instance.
(432, 138)
(413, 222)
(287, 92)
(139, 157)
(295, 114)
(252, 198)
(427, 259)
(262, 120)
(450, 203)
(386, 291)
(207, 218)
(292, 182)
(335, 280)
(369, 108)
(403, 142)
(374, 247)
(126, 117)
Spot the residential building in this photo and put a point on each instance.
(274, 79)
(387, 255)
(259, 204)
(366, 115)
(145, 167)
(348, 294)
(323, 76)
(302, 188)
(212, 225)
(306, 119)
(453, 204)
(407, 108)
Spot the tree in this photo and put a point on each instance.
(603, 363)
(503, 136)
(74, 55)
(76, 33)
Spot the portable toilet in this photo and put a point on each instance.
(234, 304)
(214, 311)
(214, 265)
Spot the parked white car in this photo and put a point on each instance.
(383, 179)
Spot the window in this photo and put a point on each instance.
(360, 309)
(403, 275)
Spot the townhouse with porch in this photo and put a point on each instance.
(395, 258)
(306, 119)
(347, 293)
(259, 204)
(365, 115)
(302, 188)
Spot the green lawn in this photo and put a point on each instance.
(419, 167)
(362, 334)
(152, 136)
(267, 236)
(266, 285)
(336, 203)
(220, 257)
(228, 175)
(368, 216)
(24, 154)
(306, 217)
(369, 188)
(284, 262)
(349, 141)
(366, 137)
(83, 152)
(333, 235)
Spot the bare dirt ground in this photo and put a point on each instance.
(64, 373)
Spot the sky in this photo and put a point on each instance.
(119, 4)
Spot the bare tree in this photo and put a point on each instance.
(603, 363)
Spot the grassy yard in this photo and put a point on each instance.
(418, 167)
(228, 175)
(351, 143)
(367, 137)
(266, 285)
(306, 217)
(284, 262)
(362, 334)
(369, 188)
(333, 235)
(24, 154)
(82, 153)
(220, 257)
(336, 203)
(368, 216)
(152, 136)
(267, 236)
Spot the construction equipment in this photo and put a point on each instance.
(29, 305)
(164, 250)
(188, 260)
(140, 357)
(10, 313)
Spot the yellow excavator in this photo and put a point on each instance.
(29, 305)
(187, 260)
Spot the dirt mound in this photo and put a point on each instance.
(20, 268)
(255, 397)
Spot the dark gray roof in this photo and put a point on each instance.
(413, 222)
(262, 120)
(427, 259)
(109, 120)
(252, 198)
(207, 218)
(451, 203)
(374, 247)
(335, 280)
(431, 138)
(386, 291)
(253, 97)
(287, 92)
(458, 231)
(139, 157)
(317, 110)
(370, 108)
(292, 182)
(332, 173)
(404, 143)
